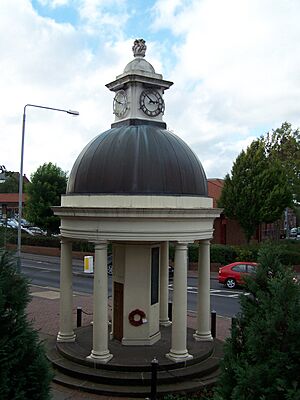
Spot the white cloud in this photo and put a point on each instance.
(46, 63)
(103, 17)
(235, 65)
(237, 70)
(54, 3)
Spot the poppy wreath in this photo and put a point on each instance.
(136, 322)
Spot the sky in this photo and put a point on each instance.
(235, 65)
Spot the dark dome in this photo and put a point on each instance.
(137, 160)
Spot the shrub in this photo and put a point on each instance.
(289, 257)
(222, 254)
(24, 370)
(261, 359)
(193, 252)
(247, 253)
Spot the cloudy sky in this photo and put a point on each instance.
(235, 65)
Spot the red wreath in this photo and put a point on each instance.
(136, 322)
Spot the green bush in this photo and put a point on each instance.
(206, 393)
(289, 257)
(261, 358)
(193, 252)
(43, 241)
(247, 253)
(222, 254)
(24, 370)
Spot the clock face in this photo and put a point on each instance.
(120, 104)
(151, 103)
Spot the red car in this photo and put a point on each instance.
(232, 275)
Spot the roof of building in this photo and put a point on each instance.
(7, 198)
(142, 159)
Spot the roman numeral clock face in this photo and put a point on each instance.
(151, 103)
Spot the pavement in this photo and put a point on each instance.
(43, 311)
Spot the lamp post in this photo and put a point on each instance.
(21, 170)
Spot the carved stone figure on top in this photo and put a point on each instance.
(139, 48)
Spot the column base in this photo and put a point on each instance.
(179, 357)
(65, 337)
(146, 341)
(100, 357)
(203, 337)
(165, 322)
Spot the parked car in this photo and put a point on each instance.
(293, 232)
(35, 230)
(12, 223)
(27, 230)
(233, 274)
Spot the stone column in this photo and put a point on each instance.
(66, 333)
(203, 302)
(164, 285)
(100, 352)
(178, 351)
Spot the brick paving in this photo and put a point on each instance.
(43, 311)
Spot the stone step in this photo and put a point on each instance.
(143, 391)
(127, 358)
(165, 375)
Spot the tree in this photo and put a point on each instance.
(24, 370)
(47, 185)
(11, 184)
(283, 144)
(262, 357)
(257, 190)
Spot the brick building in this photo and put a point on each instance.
(228, 231)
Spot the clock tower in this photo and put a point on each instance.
(139, 91)
(137, 186)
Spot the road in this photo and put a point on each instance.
(44, 271)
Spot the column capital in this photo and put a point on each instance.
(205, 242)
(180, 245)
(101, 245)
(64, 240)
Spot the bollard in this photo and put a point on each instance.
(79, 316)
(154, 367)
(213, 324)
(170, 306)
(233, 322)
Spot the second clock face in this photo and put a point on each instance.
(151, 103)
(120, 104)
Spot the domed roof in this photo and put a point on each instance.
(137, 160)
(139, 65)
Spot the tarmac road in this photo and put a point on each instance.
(44, 271)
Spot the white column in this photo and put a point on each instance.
(164, 285)
(203, 302)
(66, 333)
(178, 351)
(100, 352)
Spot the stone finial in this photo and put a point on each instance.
(139, 48)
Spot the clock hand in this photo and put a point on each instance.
(150, 100)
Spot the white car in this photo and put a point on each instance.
(35, 230)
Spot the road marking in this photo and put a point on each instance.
(214, 292)
(54, 289)
(40, 268)
(49, 295)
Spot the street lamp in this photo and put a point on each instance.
(21, 171)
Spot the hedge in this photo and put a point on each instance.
(43, 241)
(289, 250)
